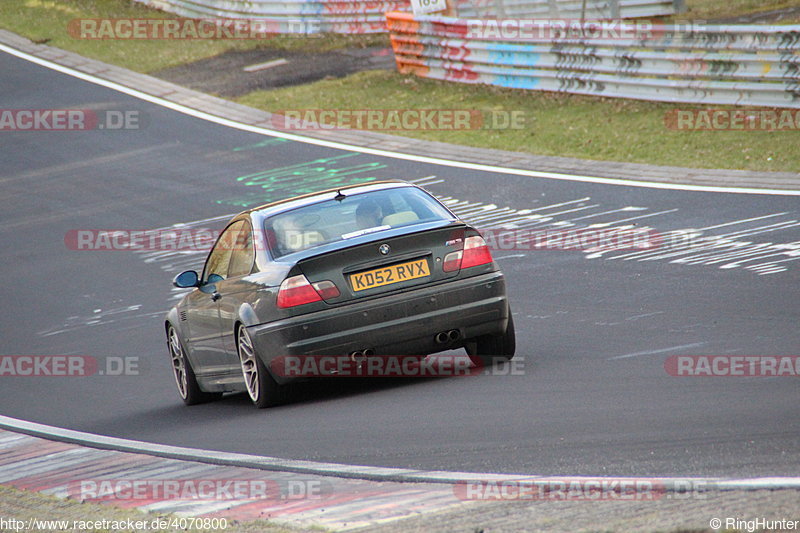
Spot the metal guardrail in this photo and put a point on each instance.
(741, 65)
(368, 16)
(593, 9)
(292, 16)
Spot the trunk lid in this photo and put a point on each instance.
(386, 262)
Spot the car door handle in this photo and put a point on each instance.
(216, 296)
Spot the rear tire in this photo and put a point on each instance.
(188, 388)
(261, 386)
(488, 350)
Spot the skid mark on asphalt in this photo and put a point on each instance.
(659, 351)
(98, 317)
(65, 169)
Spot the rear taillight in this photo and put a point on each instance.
(297, 290)
(475, 253)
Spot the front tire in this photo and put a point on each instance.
(261, 386)
(488, 350)
(188, 388)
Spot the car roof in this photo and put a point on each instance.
(288, 204)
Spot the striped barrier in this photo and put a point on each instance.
(738, 65)
(202, 494)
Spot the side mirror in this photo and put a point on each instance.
(186, 279)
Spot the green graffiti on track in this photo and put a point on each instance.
(302, 178)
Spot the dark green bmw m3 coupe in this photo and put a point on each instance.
(365, 271)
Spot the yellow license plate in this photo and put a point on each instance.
(391, 274)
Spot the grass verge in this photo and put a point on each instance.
(721, 9)
(554, 124)
(46, 21)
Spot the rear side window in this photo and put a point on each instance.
(332, 220)
(243, 253)
(220, 257)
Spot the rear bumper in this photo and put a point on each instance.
(399, 324)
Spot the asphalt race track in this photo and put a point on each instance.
(593, 330)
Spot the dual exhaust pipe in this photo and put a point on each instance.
(359, 355)
(446, 337)
(443, 337)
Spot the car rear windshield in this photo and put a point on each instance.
(355, 215)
